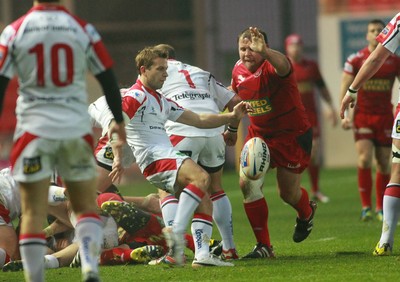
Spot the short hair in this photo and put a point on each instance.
(167, 48)
(377, 21)
(247, 34)
(146, 56)
(47, 1)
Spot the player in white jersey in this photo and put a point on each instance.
(10, 210)
(197, 90)
(160, 163)
(50, 50)
(389, 41)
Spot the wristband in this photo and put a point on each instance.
(232, 129)
(352, 93)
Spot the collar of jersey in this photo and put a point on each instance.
(49, 7)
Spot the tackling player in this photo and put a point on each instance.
(264, 78)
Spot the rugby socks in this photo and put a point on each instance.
(380, 183)
(33, 248)
(365, 186)
(189, 200)
(201, 232)
(169, 205)
(222, 215)
(51, 261)
(257, 213)
(313, 172)
(4, 257)
(89, 234)
(391, 210)
(303, 205)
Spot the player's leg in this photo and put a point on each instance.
(314, 170)
(296, 196)
(77, 167)
(382, 156)
(391, 203)
(257, 212)
(365, 149)
(32, 240)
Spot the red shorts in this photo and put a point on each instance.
(290, 152)
(380, 127)
(313, 118)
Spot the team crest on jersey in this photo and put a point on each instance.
(385, 31)
(397, 126)
(32, 165)
(108, 154)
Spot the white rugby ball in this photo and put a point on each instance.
(255, 158)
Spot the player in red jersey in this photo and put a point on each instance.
(372, 121)
(50, 50)
(309, 79)
(264, 78)
(389, 41)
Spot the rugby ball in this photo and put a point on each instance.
(254, 158)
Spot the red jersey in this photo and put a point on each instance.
(278, 109)
(375, 97)
(307, 76)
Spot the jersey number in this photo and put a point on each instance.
(55, 51)
(188, 78)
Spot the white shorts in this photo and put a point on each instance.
(208, 152)
(105, 157)
(34, 158)
(162, 172)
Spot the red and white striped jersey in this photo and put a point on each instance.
(196, 90)
(389, 36)
(51, 50)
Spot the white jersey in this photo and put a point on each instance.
(9, 193)
(50, 50)
(196, 90)
(148, 112)
(389, 36)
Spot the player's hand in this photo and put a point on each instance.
(257, 41)
(348, 100)
(347, 123)
(230, 138)
(241, 109)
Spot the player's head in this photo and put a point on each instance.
(250, 59)
(374, 27)
(152, 65)
(247, 34)
(294, 46)
(167, 48)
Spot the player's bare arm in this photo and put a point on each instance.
(215, 120)
(277, 59)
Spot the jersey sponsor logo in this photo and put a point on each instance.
(260, 106)
(108, 154)
(378, 85)
(32, 165)
(151, 127)
(191, 95)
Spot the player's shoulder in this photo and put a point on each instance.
(135, 93)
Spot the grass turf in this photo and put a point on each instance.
(339, 248)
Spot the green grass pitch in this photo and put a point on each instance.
(339, 248)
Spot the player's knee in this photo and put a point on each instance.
(202, 180)
(251, 189)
